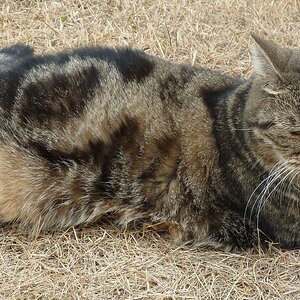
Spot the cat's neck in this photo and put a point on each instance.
(214, 144)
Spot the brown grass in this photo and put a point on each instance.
(102, 262)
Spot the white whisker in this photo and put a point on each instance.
(264, 200)
(243, 129)
(277, 168)
(280, 171)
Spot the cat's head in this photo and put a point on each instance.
(272, 112)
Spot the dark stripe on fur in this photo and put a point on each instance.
(123, 139)
(134, 65)
(212, 98)
(9, 83)
(59, 96)
(100, 155)
(231, 145)
(173, 84)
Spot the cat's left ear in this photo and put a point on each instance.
(269, 60)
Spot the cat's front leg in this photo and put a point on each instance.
(228, 230)
(219, 230)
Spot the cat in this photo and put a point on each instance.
(117, 132)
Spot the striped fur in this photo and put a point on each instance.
(99, 131)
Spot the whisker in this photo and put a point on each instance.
(273, 175)
(280, 169)
(279, 174)
(292, 187)
(264, 200)
(243, 129)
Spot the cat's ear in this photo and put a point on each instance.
(268, 59)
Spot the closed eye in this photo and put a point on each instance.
(295, 132)
(265, 125)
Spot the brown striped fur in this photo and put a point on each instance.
(99, 131)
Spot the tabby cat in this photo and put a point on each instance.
(101, 131)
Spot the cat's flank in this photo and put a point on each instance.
(99, 131)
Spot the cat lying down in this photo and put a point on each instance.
(101, 131)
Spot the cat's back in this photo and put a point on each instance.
(90, 69)
(104, 87)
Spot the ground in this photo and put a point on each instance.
(102, 262)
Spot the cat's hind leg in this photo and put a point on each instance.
(17, 51)
(11, 55)
(41, 195)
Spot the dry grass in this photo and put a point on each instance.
(104, 263)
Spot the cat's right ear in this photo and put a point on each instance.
(269, 60)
